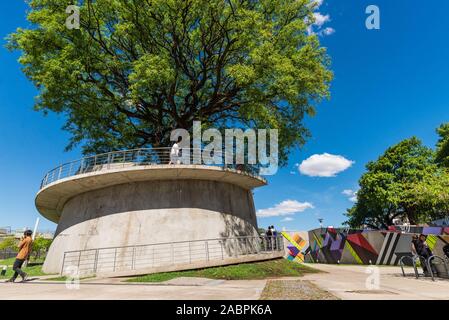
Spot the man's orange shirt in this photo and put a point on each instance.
(24, 248)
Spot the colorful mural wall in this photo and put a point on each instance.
(296, 243)
(345, 246)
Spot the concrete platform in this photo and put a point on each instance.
(51, 199)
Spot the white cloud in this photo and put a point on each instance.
(287, 219)
(286, 207)
(321, 19)
(324, 165)
(351, 194)
(328, 31)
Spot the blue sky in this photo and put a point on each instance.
(389, 84)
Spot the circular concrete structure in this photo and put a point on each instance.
(132, 204)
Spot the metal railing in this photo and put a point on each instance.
(431, 266)
(129, 258)
(434, 263)
(7, 254)
(413, 260)
(143, 156)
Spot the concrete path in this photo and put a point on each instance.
(348, 282)
(343, 281)
(102, 289)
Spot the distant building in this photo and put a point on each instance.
(6, 232)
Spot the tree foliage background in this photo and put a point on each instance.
(409, 181)
(9, 243)
(136, 69)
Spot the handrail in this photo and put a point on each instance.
(127, 258)
(413, 259)
(140, 156)
(164, 243)
(428, 263)
(429, 266)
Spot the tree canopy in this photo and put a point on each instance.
(442, 152)
(405, 182)
(136, 69)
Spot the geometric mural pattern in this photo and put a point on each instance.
(295, 246)
(347, 246)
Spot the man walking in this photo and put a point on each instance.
(24, 250)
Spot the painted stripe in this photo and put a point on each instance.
(353, 253)
(431, 241)
(317, 240)
(393, 248)
(388, 249)
(384, 245)
(293, 242)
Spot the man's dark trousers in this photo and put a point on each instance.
(16, 267)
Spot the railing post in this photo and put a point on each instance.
(96, 261)
(79, 261)
(190, 252)
(109, 161)
(63, 262)
(60, 170)
(133, 261)
(115, 258)
(236, 254)
(70, 169)
(207, 250)
(44, 182)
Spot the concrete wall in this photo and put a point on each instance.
(152, 212)
(366, 246)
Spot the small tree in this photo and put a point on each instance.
(9, 243)
(41, 244)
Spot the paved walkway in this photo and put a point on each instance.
(105, 289)
(343, 281)
(348, 282)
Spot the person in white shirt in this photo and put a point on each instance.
(174, 152)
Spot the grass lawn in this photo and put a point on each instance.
(245, 271)
(65, 278)
(34, 268)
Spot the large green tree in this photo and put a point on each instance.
(136, 69)
(405, 182)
